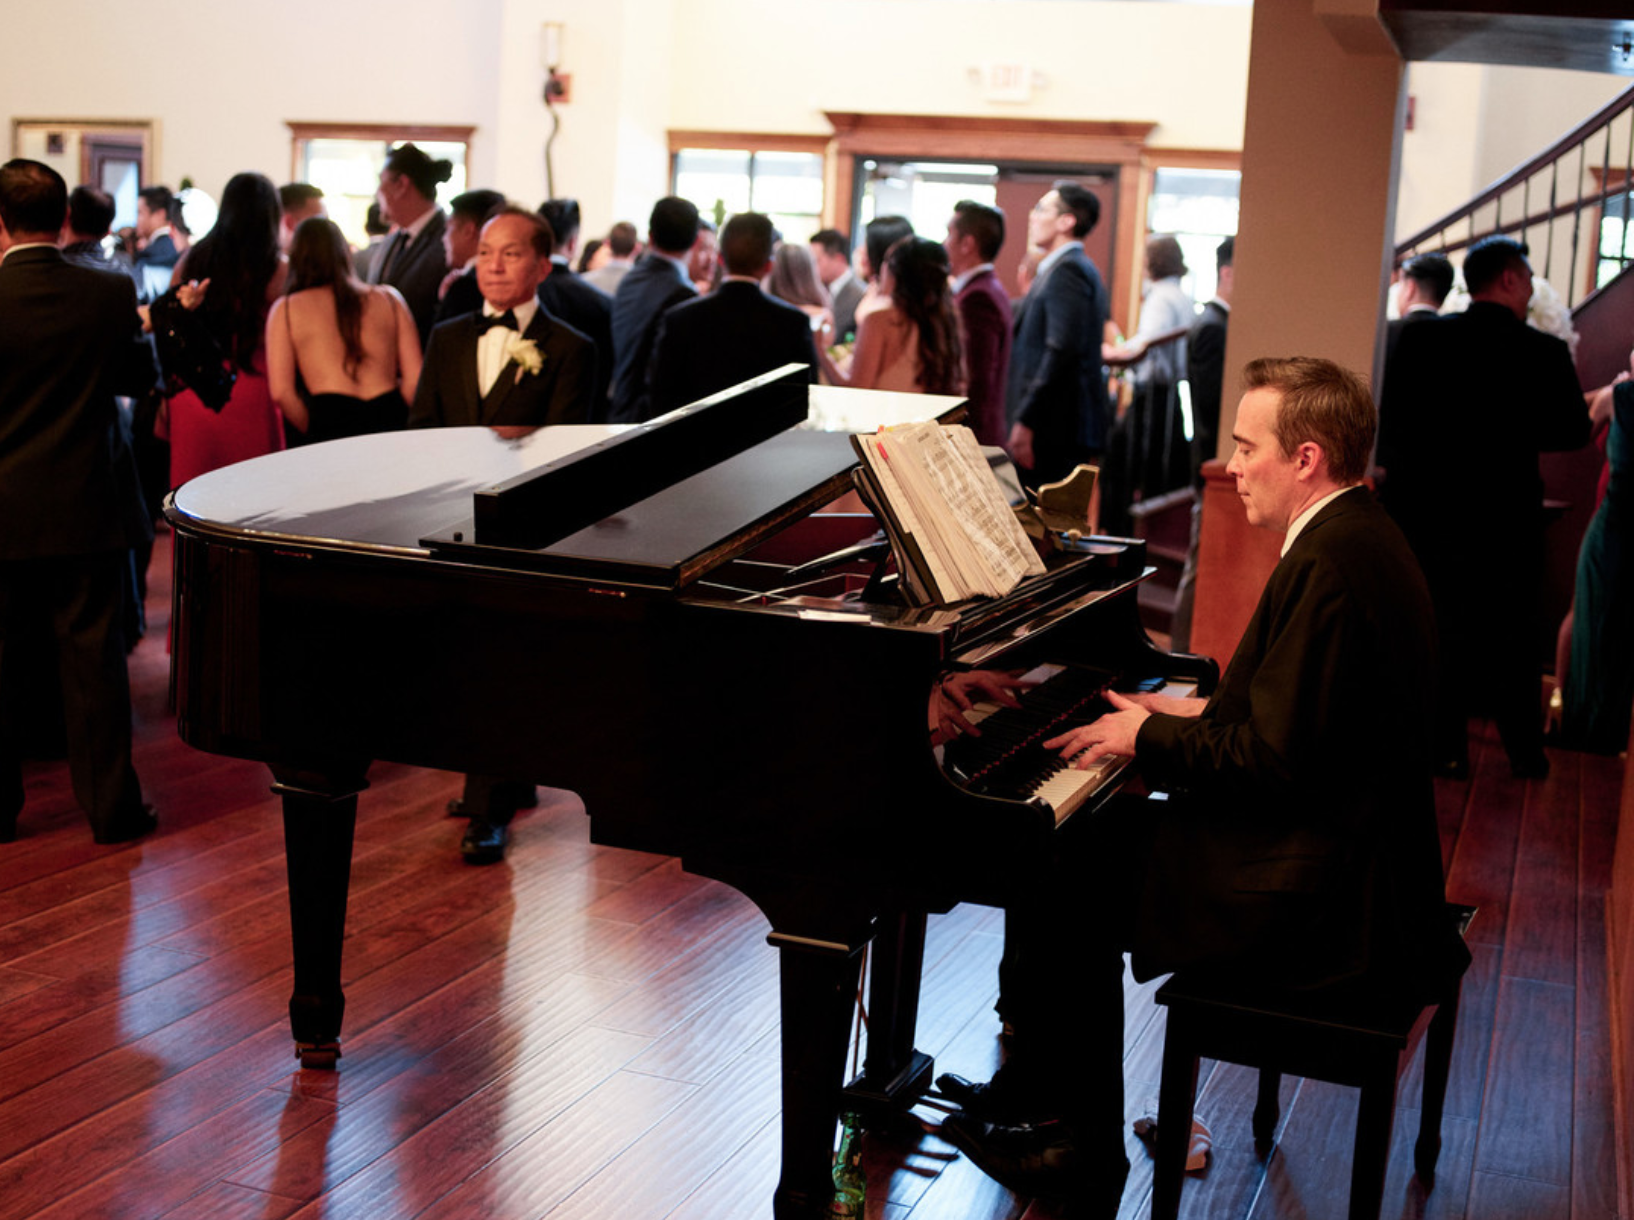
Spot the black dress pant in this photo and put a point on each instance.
(81, 598)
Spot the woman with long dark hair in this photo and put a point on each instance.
(352, 347)
(913, 343)
(231, 275)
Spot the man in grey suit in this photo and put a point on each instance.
(832, 254)
(71, 515)
(412, 259)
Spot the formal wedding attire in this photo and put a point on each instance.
(331, 416)
(463, 297)
(1056, 387)
(202, 440)
(988, 330)
(449, 393)
(1470, 400)
(846, 293)
(714, 342)
(1599, 690)
(653, 285)
(71, 512)
(589, 311)
(415, 266)
(1292, 848)
(886, 355)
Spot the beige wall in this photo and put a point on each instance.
(1183, 66)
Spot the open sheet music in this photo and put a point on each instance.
(952, 532)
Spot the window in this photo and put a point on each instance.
(923, 191)
(786, 183)
(344, 162)
(1199, 207)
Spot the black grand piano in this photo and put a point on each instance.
(411, 596)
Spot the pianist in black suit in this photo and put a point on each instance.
(514, 368)
(71, 514)
(1299, 842)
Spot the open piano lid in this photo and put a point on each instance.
(664, 503)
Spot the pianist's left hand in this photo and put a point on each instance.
(1113, 733)
(957, 693)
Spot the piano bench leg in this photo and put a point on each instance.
(819, 990)
(320, 812)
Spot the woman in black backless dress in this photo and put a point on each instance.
(343, 356)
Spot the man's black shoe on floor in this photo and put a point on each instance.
(484, 842)
(1040, 1161)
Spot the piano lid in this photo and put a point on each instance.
(410, 492)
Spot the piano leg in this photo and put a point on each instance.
(894, 1074)
(320, 811)
(819, 990)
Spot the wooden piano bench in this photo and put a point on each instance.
(1357, 1043)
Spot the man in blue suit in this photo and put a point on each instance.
(1056, 398)
(655, 283)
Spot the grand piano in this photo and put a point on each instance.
(546, 608)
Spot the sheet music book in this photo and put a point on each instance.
(953, 533)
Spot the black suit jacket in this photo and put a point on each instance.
(1469, 402)
(463, 297)
(735, 333)
(1056, 387)
(558, 394)
(1301, 841)
(416, 271)
(1205, 371)
(588, 310)
(66, 349)
(650, 287)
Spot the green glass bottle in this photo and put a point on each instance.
(850, 1183)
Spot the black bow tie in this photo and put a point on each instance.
(506, 319)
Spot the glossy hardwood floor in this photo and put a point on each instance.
(586, 1032)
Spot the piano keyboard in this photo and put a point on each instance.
(1009, 759)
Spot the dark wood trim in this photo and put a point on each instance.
(1195, 158)
(442, 133)
(753, 141)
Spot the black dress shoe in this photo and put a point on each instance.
(1003, 1100)
(484, 842)
(132, 826)
(1040, 1161)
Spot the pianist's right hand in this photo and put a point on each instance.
(1169, 705)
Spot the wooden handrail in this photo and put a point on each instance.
(1576, 136)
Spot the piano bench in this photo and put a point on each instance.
(1358, 1043)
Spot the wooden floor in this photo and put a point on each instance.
(586, 1032)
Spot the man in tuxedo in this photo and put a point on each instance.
(1205, 373)
(974, 236)
(514, 368)
(1057, 402)
(832, 253)
(467, 213)
(565, 294)
(158, 255)
(71, 517)
(511, 367)
(736, 332)
(659, 280)
(1469, 402)
(412, 259)
(1292, 849)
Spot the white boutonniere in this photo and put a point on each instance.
(526, 354)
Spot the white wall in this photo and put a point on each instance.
(1474, 123)
(222, 77)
